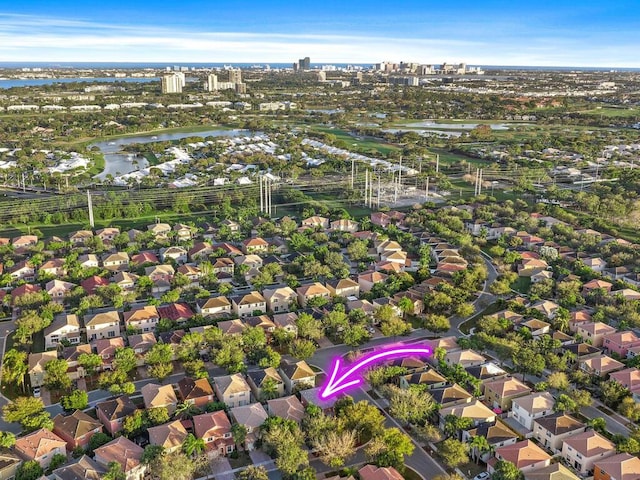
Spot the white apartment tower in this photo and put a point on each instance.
(172, 83)
(212, 82)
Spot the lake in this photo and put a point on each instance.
(36, 82)
(121, 163)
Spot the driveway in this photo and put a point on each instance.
(221, 469)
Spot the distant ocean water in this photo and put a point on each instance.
(139, 65)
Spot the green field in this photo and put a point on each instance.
(360, 144)
(613, 112)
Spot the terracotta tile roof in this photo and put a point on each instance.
(121, 450)
(590, 443)
(39, 443)
(170, 435)
(191, 389)
(620, 467)
(370, 472)
(75, 425)
(522, 454)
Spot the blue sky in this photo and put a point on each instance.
(490, 32)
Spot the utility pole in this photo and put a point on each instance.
(475, 190)
(378, 191)
(437, 162)
(353, 170)
(90, 205)
(261, 195)
(366, 186)
(426, 191)
(24, 185)
(371, 192)
(480, 183)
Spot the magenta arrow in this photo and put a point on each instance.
(350, 378)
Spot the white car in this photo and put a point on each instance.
(36, 392)
(482, 476)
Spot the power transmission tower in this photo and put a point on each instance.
(90, 205)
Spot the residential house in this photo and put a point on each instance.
(106, 348)
(617, 467)
(116, 262)
(159, 396)
(287, 321)
(629, 378)
(367, 280)
(23, 271)
(555, 471)
(37, 362)
(233, 390)
(213, 306)
(145, 258)
(177, 254)
(170, 436)
(126, 454)
(215, 429)
(296, 374)
(141, 344)
(257, 379)
(263, 322)
(91, 284)
(596, 264)
(107, 235)
(279, 299)
(620, 342)
(582, 351)
(525, 455)
(552, 430)
(82, 468)
(223, 267)
(160, 230)
(197, 392)
(200, 250)
(255, 245)
(497, 434)
(601, 366)
(234, 227)
(245, 305)
(251, 417)
(371, 472)
(430, 379)
(227, 248)
(536, 327)
(594, 332)
(183, 232)
(126, 281)
(500, 393)
(71, 356)
(113, 412)
(88, 260)
(315, 222)
(531, 407)
(547, 308)
(380, 219)
(474, 410)
(9, 464)
(59, 290)
(252, 261)
(232, 327)
(486, 373)
(176, 312)
(24, 289)
(64, 328)
(596, 284)
(449, 344)
(41, 446)
(583, 450)
(142, 319)
(76, 429)
(24, 241)
(308, 292)
(466, 358)
(289, 408)
(343, 287)
(54, 267)
(192, 272)
(81, 237)
(161, 276)
(450, 395)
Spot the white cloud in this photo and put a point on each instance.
(27, 38)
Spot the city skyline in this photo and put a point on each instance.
(494, 33)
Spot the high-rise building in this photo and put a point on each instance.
(235, 76)
(304, 63)
(172, 83)
(322, 76)
(212, 82)
(240, 88)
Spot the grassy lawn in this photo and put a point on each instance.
(361, 143)
(410, 474)
(151, 158)
(243, 460)
(522, 285)
(473, 321)
(613, 112)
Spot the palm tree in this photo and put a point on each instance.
(479, 445)
(186, 410)
(269, 390)
(239, 433)
(192, 445)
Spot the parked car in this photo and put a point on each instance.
(482, 476)
(36, 392)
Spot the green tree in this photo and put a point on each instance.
(97, 440)
(7, 439)
(56, 377)
(124, 359)
(453, 424)
(302, 349)
(29, 412)
(178, 466)
(193, 445)
(365, 419)
(239, 434)
(15, 367)
(411, 405)
(479, 445)
(161, 370)
(527, 361)
(335, 448)
(559, 381)
(91, 362)
(254, 473)
(114, 472)
(505, 470)
(436, 323)
(77, 400)
(152, 453)
(309, 327)
(29, 470)
(453, 452)
(389, 449)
